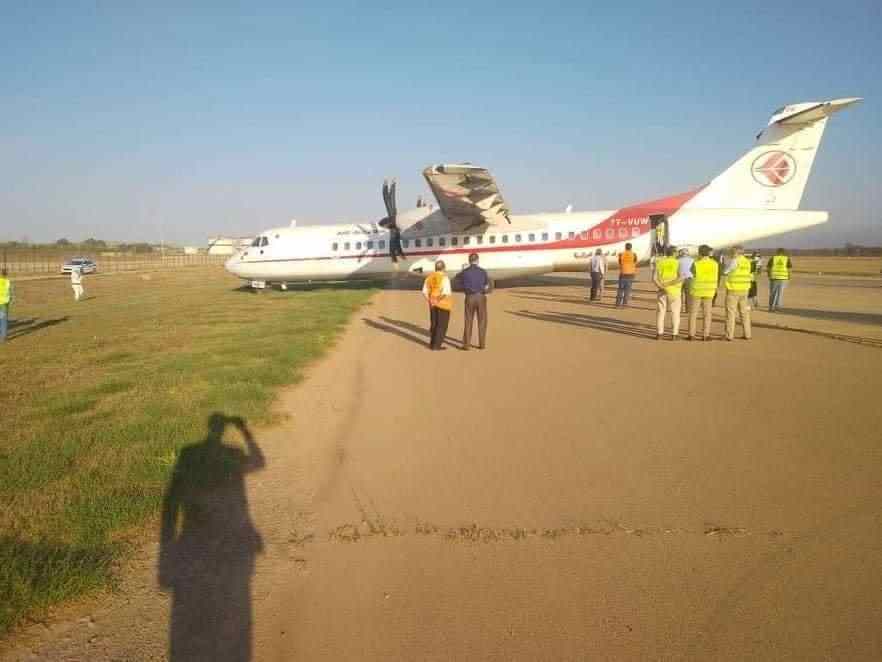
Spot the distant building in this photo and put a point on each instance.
(226, 245)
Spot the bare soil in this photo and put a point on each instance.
(575, 491)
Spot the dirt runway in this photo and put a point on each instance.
(576, 491)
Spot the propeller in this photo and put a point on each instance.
(389, 187)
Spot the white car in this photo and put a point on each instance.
(85, 265)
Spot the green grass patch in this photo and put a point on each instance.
(99, 406)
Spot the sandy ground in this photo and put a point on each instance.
(576, 491)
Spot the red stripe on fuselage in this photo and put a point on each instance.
(626, 218)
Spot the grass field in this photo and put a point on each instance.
(98, 397)
(846, 266)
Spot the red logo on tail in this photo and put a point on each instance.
(773, 168)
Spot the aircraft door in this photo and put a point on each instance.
(660, 233)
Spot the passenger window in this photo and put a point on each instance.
(430, 241)
(597, 234)
(466, 241)
(405, 243)
(531, 237)
(334, 246)
(382, 244)
(505, 239)
(346, 246)
(417, 242)
(558, 236)
(623, 232)
(442, 241)
(492, 239)
(583, 235)
(572, 235)
(479, 239)
(358, 245)
(454, 241)
(544, 236)
(610, 233)
(370, 245)
(517, 238)
(635, 232)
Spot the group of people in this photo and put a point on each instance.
(627, 274)
(702, 278)
(6, 296)
(438, 292)
(691, 285)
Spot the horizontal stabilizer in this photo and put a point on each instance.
(802, 113)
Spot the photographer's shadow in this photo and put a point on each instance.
(208, 546)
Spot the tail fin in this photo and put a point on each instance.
(774, 173)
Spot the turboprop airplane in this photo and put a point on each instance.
(758, 196)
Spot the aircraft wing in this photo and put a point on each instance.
(467, 194)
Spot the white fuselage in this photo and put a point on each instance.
(534, 244)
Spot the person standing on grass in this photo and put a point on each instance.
(779, 268)
(627, 273)
(5, 302)
(598, 274)
(437, 291)
(76, 282)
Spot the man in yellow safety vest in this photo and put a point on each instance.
(779, 268)
(705, 277)
(670, 287)
(5, 300)
(737, 273)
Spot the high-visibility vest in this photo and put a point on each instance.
(5, 289)
(780, 271)
(666, 269)
(738, 280)
(434, 284)
(707, 275)
(628, 263)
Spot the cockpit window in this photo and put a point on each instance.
(256, 242)
(264, 241)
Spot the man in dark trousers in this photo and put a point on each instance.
(475, 284)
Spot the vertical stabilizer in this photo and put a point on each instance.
(774, 173)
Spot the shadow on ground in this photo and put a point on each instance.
(208, 545)
(608, 324)
(23, 327)
(831, 315)
(407, 330)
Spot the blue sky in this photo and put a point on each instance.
(134, 122)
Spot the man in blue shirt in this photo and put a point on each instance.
(475, 284)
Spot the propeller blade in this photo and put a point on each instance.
(392, 194)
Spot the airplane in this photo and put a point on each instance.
(758, 196)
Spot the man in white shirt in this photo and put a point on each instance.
(76, 281)
(684, 272)
(598, 275)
